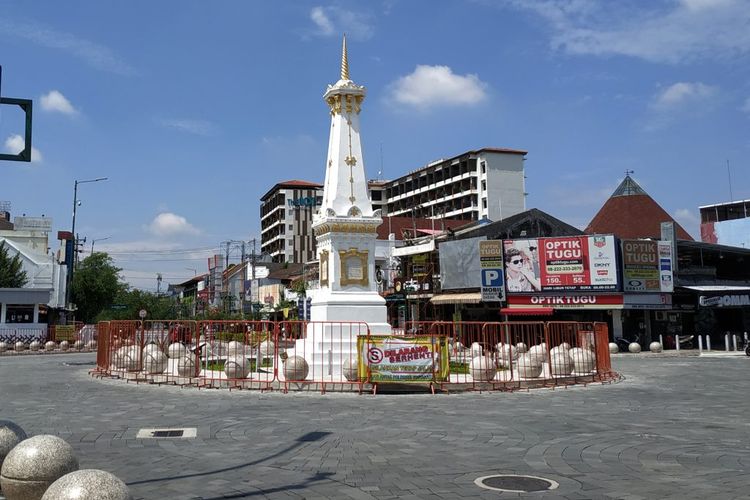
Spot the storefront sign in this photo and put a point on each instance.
(566, 263)
(724, 301)
(403, 359)
(566, 301)
(491, 269)
(647, 266)
(307, 201)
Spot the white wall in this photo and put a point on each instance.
(505, 184)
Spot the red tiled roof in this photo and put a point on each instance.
(633, 216)
(405, 225)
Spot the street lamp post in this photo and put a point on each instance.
(94, 241)
(75, 206)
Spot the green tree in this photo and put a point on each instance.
(95, 285)
(12, 274)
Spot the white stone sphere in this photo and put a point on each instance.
(540, 352)
(613, 348)
(34, 464)
(634, 347)
(237, 367)
(177, 350)
(505, 354)
(583, 360)
(20, 346)
(296, 368)
(459, 346)
(150, 347)
(88, 484)
(91, 345)
(78, 345)
(560, 363)
(267, 349)
(655, 347)
(235, 348)
(64, 345)
(10, 435)
(482, 368)
(529, 366)
(350, 368)
(561, 349)
(127, 358)
(522, 348)
(476, 349)
(154, 361)
(187, 366)
(35, 345)
(50, 345)
(3, 347)
(564, 345)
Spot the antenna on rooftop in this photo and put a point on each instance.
(627, 175)
(380, 172)
(729, 174)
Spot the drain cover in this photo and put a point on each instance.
(181, 433)
(515, 483)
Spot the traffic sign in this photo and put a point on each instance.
(142, 313)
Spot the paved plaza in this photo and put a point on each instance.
(675, 427)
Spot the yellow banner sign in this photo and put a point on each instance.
(65, 332)
(391, 358)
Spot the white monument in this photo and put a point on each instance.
(345, 229)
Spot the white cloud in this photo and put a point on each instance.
(334, 21)
(169, 224)
(14, 144)
(56, 102)
(92, 53)
(689, 220)
(682, 93)
(197, 127)
(672, 32)
(430, 86)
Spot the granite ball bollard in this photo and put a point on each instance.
(35, 345)
(50, 345)
(506, 353)
(267, 349)
(351, 370)
(64, 345)
(235, 348)
(3, 347)
(529, 366)
(296, 368)
(583, 360)
(562, 349)
(154, 361)
(127, 358)
(187, 366)
(476, 349)
(634, 347)
(482, 368)
(540, 352)
(613, 348)
(78, 345)
(91, 345)
(237, 367)
(10, 435)
(560, 364)
(655, 347)
(565, 345)
(150, 347)
(88, 484)
(176, 350)
(20, 346)
(34, 464)
(522, 348)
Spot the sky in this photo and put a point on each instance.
(193, 110)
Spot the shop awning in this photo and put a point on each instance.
(456, 298)
(527, 311)
(717, 288)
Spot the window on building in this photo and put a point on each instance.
(291, 227)
(484, 185)
(484, 203)
(484, 167)
(377, 195)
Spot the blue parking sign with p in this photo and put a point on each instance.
(492, 277)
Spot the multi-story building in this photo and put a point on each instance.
(286, 213)
(376, 190)
(486, 183)
(726, 223)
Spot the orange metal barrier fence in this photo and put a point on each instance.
(297, 354)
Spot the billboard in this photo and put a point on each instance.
(459, 264)
(647, 266)
(491, 263)
(558, 264)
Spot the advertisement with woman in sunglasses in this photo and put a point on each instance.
(522, 266)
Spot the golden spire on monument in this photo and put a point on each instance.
(344, 61)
